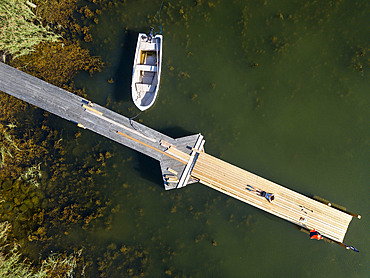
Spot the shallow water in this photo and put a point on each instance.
(276, 88)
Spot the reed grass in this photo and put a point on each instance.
(13, 265)
(32, 175)
(4, 152)
(20, 29)
(57, 264)
(7, 144)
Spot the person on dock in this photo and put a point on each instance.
(315, 235)
(269, 196)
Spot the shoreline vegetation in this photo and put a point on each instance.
(37, 204)
(21, 29)
(52, 182)
(45, 194)
(13, 265)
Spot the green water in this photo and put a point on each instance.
(280, 88)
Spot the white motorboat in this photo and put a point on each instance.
(146, 72)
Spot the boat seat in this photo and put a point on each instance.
(148, 77)
(145, 88)
(146, 68)
(148, 46)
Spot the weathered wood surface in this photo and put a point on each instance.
(96, 118)
(287, 204)
(175, 154)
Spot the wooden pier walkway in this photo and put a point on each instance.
(287, 204)
(182, 160)
(103, 121)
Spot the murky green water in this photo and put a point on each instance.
(280, 88)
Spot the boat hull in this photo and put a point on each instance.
(146, 73)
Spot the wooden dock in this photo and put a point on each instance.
(289, 205)
(182, 160)
(103, 121)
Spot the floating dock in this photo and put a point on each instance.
(182, 160)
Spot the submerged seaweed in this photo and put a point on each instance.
(88, 198)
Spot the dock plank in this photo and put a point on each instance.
(182, 160)
(289, 205)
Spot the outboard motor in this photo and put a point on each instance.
(150, 36)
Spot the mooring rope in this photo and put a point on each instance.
(159, 17)
(132, 118)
